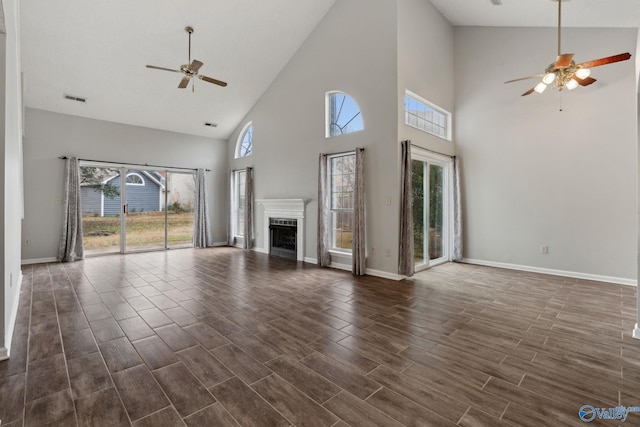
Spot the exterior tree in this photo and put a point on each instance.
(97, 179)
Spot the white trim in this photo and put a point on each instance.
(311, 260)
(39, 260)
(126, 179)
(6, 350)
(384, 274)
(261, 250)
(243, 132)
(284, 208)
(218, 244)
(562, 273)
(636, 332)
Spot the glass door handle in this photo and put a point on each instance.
(125, 208)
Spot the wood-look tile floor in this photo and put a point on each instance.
(227, 337)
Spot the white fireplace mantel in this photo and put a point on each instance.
(284, 208)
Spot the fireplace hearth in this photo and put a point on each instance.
(283, 237)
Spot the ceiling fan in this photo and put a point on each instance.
(564, 72)
(190, 69)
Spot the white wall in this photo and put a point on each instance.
(534, 175)
(50, 135)
(425, 66)
(353, 50)
(11, 211)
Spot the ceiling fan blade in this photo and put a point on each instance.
(524, 78)
(162, 68)
(184, 82)
(195, 65)
(563, 60)
(605, 61)
(214, 81)
(586, 81)
(529, 92)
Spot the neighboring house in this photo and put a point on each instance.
(144, 194)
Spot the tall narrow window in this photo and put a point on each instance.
(238, 202)
(244, 146)
(422, 114)
(342, 173)
(343, 114)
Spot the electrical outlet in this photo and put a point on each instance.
(388, 252)
(373, 250)
(58, 201)
(388, 201)
(27, 242)
(544, 249)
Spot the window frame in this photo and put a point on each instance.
(240, 142)
(332, 210)
(448, 117)
(238, 210)
(126, 179)
(328, 117)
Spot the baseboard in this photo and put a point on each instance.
(311, 260)
(39, 260)
(218, 244)
(261, 250)
(384, 274)
(6, 350)
(562, 273)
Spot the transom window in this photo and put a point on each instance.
(244, 146)
(342, 173)
(343, 114)
(134, 179)
(422, 114)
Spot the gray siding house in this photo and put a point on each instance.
(144, 194)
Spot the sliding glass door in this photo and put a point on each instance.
(136, 209)
(431, 182)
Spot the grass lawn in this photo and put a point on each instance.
(144, 229)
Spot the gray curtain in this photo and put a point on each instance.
(324, 258)
(71, 244)
(201, 227)
(248, 209)
(358, 250)
(457, 212)
(405, 258)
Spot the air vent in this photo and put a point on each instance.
(211, 125)
(496, 2)
(74, 98)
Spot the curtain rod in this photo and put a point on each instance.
(431, 151)
(344, 152)
(134, 164)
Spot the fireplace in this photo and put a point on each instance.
(283, 219)
(283, 237)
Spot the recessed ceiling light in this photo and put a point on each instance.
(74, 98)
(213, 125)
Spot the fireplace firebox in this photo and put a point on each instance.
(283, 237)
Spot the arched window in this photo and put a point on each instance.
(245, 141)
(343, 114)
(134, 179)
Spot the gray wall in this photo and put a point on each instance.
(355, 49)
(50, 135)
(534, 175)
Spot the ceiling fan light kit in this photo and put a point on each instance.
(564, 73)
(190, 70)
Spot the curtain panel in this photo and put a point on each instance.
(201, 226)
(405, 258)
(324, 257)
(232, 186)
(71, 247)
(457, 212)
(359, 246)
(248, 209)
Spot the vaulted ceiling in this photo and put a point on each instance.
(98, 51)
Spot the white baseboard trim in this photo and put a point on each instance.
(261, 250)
(339, 266)
(39, 260)
(218, 244)
(311, 260)
(6, 350)
(384, 274)
(562, 273)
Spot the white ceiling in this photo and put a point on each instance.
(98, 51)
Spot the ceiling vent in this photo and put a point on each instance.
(74, 98)
(496, 2)
(212, 125)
